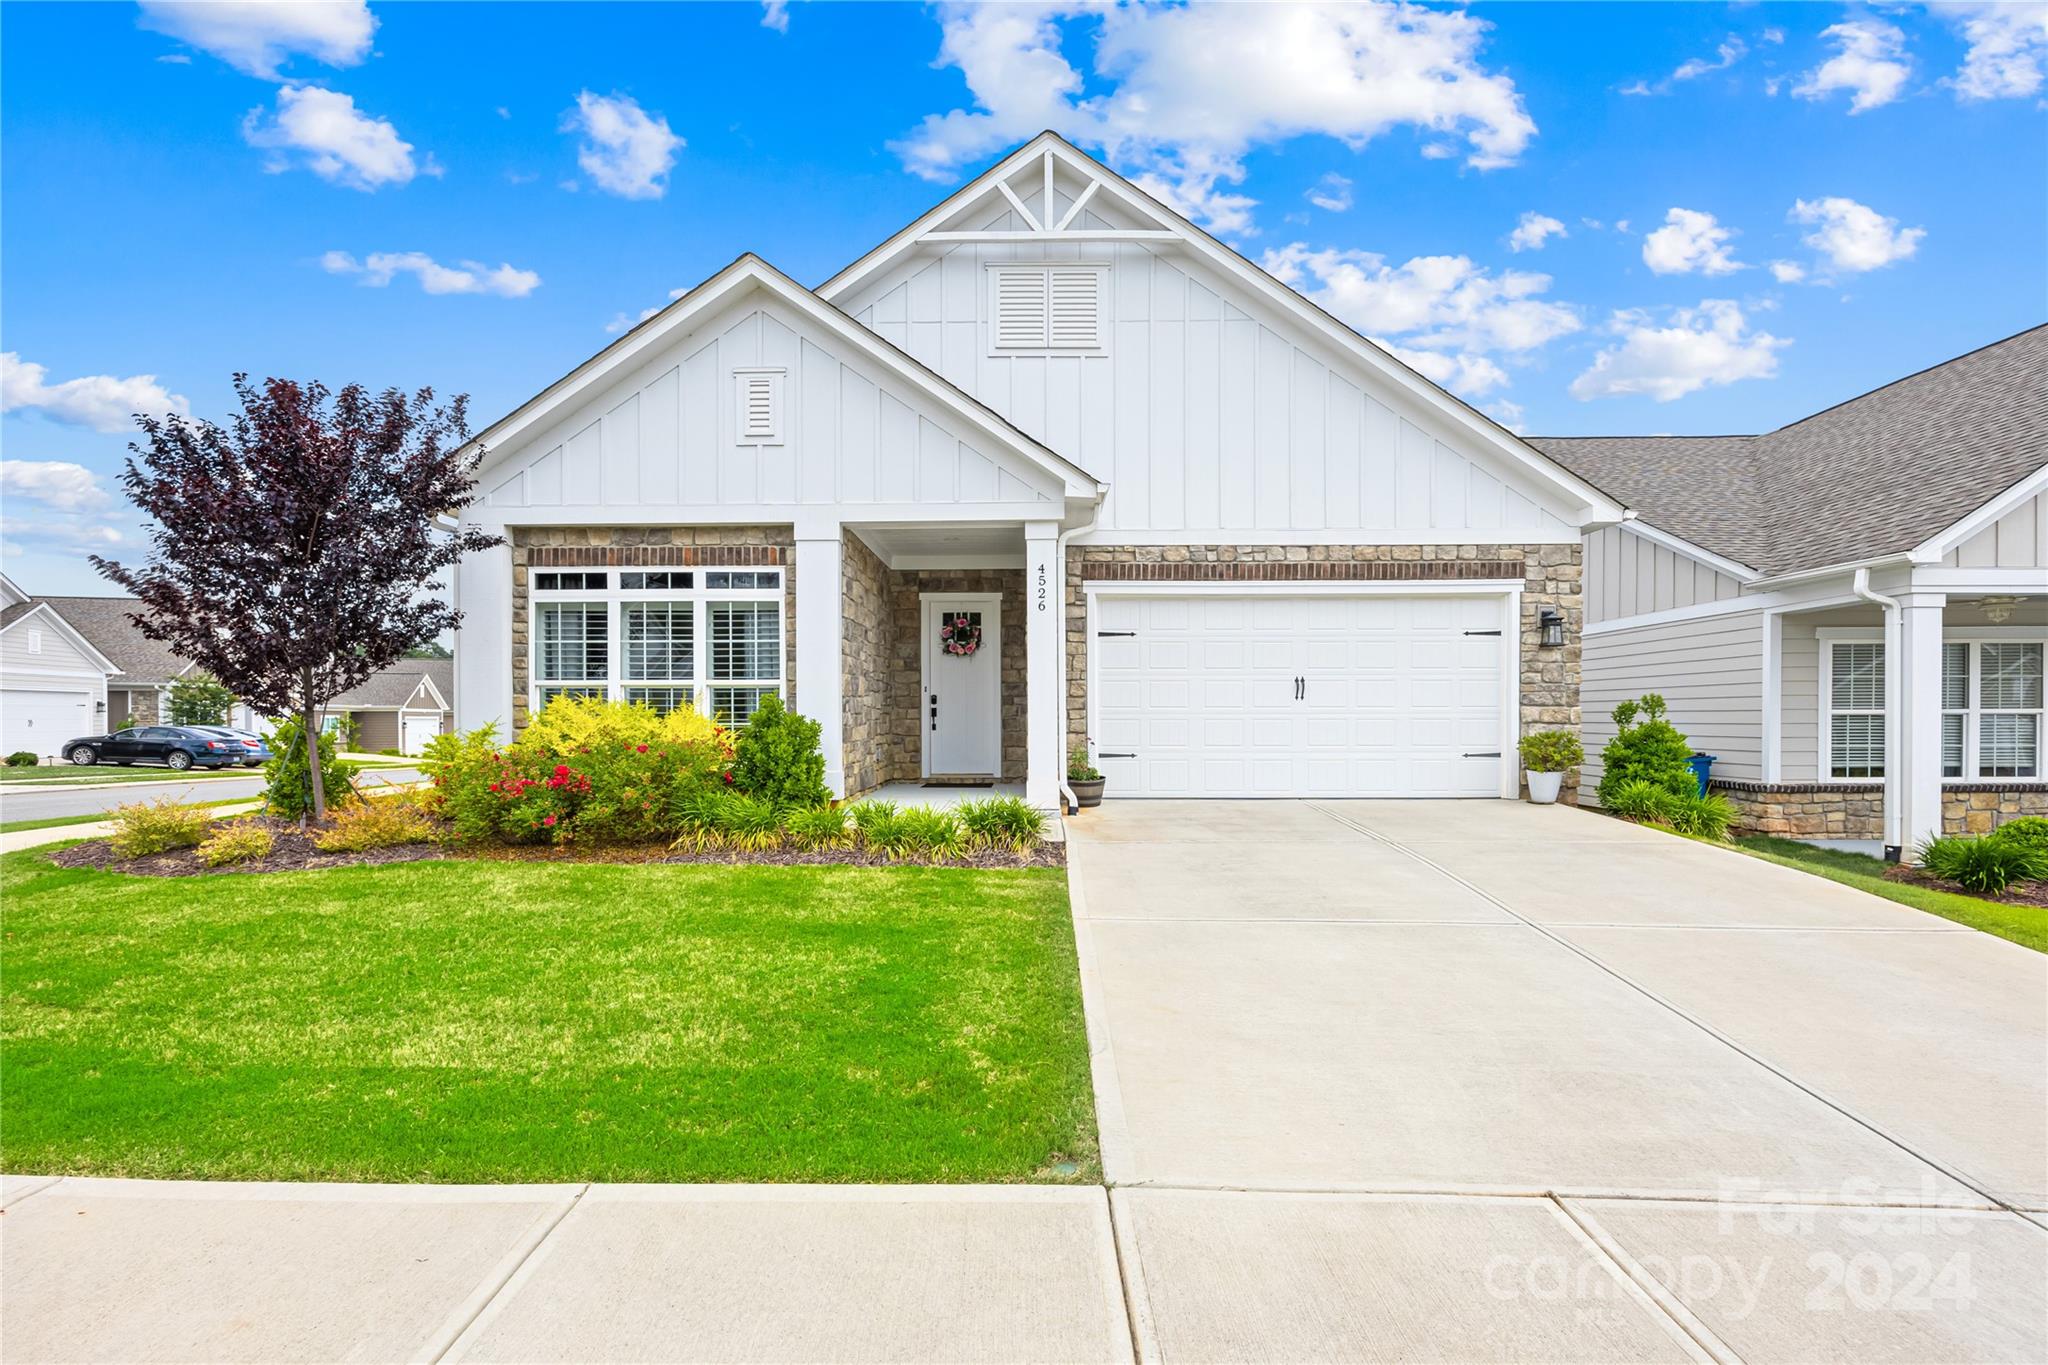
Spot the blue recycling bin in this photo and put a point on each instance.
(1701, 765)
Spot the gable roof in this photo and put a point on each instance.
(21, 611)
(104, 623)
(1346, 339)
(750, 271)
(1879, 474)
(393, 687)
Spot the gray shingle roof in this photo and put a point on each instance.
(395, 685)
(104, 621)
(1875, 475)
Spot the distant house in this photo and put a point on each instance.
(400, 707)
(1851, 611)
(53, 679)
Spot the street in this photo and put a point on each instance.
(48, 803)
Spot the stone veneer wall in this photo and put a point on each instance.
(882, 665)
(631, 547)
(1855, 810)
(1550, 577)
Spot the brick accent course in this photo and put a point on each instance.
(1550, 574)
(1855, 810)
(599, 547)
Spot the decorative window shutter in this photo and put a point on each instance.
(1076, 299)
(1020, 309)
(760, 406)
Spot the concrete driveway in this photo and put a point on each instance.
(1477, 1080)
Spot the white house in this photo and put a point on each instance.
(1850, 612)
(53, 680)
(1051, 469)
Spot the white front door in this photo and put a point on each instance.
(963, 677)
(1217, 696)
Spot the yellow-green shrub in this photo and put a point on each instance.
(569, 725)
(238, 841)
(381, 822)
(148, 827)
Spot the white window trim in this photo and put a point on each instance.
(613, 598)
(992, 271)
(1829, 636)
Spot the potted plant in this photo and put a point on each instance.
(1084, 779)
(1546, 754)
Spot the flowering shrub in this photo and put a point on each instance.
(586, 770)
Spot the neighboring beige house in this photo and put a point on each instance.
(400, 707)
(1850, 612)
(1050, 470)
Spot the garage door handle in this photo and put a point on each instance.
(1105, 634)
(1108, 755)
(1482, 632)
(1491, 753)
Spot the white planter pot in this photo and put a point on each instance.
(1543, 787)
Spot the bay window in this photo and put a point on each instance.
(660, 637)
(1992, 707)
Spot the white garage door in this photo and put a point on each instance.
(40, 722)
(1299, 696)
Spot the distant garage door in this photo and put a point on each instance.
(1220, 696)
(40, 721)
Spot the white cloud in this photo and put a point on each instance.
(1787, 272)
(1870, 62)
(1187, 91)
(775, 15)
(1697, 347)
(1534, 230)
(379, 268)
(99, 401)
(1691, 241)
(1730, 51)
(1509, 415)
(335, 140)
(1332, 192)
(1442, 314)
(175, 59)
(1853, 236)
(56, 484)
(257, 36)
(620, 322)
(625, 151)
(2008, 48)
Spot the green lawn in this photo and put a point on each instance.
(2023, 924)
(491, 1021)
(93, 775)
(58, 821)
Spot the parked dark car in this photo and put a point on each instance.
(255, 752)
(175, 746)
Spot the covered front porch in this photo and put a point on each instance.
(944, 683)
(1910, 707)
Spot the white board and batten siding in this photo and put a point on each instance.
(1710, 670)
(757, 408)
(2017, 540)
(1630, 575)
(1204, 409)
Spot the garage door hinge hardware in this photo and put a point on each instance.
(1104, 634)
(1490, 753)
(1482, 632)
(1106, 755)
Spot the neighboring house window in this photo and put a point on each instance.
(1856, 709)
(1046, 308)
(661, 637)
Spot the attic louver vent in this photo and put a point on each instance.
(1048, 308)
(760, 406)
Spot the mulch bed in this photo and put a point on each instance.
(2026, 893)
(293, 851)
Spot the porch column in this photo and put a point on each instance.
(1044, 689)
(820, 591)
(1914, 726)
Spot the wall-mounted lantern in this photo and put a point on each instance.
(1550, 622)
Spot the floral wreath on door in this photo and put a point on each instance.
(959, 633)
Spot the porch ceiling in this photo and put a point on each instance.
(932, 546)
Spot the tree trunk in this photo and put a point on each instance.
(312, 738)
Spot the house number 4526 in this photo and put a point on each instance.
(1040, 595)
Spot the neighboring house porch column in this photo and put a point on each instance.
(820, 593)
(1913, 729)
(1044, 689)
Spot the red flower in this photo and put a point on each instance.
(561, 770)
(728, 779)
(640, 749)
(549, 821)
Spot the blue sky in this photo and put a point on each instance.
(1731, 215)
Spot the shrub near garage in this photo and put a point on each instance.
(1646, 748)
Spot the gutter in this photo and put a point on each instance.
(1862, 568)
(1894, 625)
(1060, 567)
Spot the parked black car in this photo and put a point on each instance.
(176, 746)
(255, 751)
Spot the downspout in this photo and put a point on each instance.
(1060, 568)
(1894, 829)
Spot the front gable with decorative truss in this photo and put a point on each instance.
(1210, 398)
